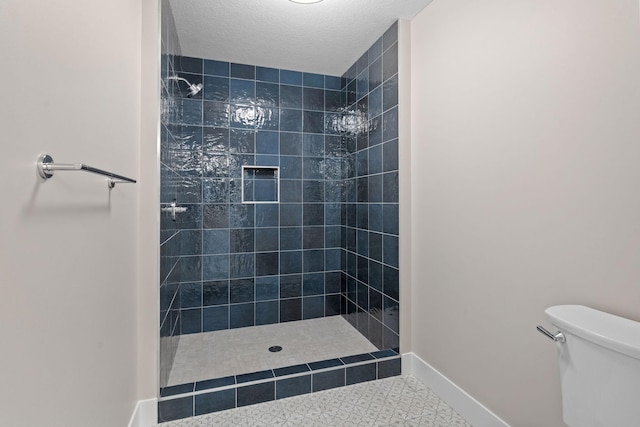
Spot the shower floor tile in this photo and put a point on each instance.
(398, 401)
(239, 351)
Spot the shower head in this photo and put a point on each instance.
(193, 89)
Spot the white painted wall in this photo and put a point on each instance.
(525, 186)
(71, 74)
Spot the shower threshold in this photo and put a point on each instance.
(244, 350)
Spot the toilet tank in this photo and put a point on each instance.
(599, 367)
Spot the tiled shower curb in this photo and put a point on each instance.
(203, 397)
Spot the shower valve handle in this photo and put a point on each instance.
(173, 209)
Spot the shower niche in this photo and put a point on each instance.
(288, 232)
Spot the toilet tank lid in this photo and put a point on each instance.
(605, 329)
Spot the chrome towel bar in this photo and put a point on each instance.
(46, 167)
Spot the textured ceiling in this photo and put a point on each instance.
(324, 38)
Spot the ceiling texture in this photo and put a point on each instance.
(323, 38)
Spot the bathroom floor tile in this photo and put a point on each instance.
(243, 350)
(397, 401)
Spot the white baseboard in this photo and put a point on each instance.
(461, 402)
(145, 414)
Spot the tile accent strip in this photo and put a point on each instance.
(203, 397)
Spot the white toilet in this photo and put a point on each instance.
(599, 366)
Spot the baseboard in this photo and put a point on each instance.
(464, 404)
(145, 414)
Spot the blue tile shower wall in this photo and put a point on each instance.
(369, 232)
(229, 264)
(170, 265)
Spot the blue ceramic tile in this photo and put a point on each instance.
(390, 62)
(362, 163)
(268, 94)
(186, 137)
(356, 358)
(215, 318)
(375, 50)
(267, 215)
(290, 96)
(332, 82)
(241, 315)
(215, 383)
(241, 216)
(291, 237)
(375, 217)
(313, 99)
(391, 339)
(176, 389)
(190, 268)
(215, 216)
(313, 145)
(390, 250)
(362, 189)
(313, 80)
(332, 213)
(214, 402)
(236, 161)
(362, 84)
(332, 281)
(216, 89)
(389, 368)
(215, 114)
(391, 314)
(375, 332)
(375, 131)
(312, 307)
(189, 65)
(215, 292)
(328, 380)
(266, 264)
(375, 189)
(390, 282)
(190, 242)
(215, 267)
(215, 165)
(390, 124)
(215, 190)
(267, 117)
(325, 364)
(332, 237)
(257, 393)
(375, 75)
(291, 77)
(290, 310)
(290, 215)
(375, 159)
(375, 304)
(290, 286)
(267, 142)
(254, 376)
(290, 144)
(267, 74)
(191, 320)
(290, 120)
(313, 169)
(242, 141)
(390, 155)
(313, 284)
(390, 218)
(241, 240)
(312, 260)
(267, 288)
(390, 36)
(313, 121)
(332, 305)
(293, 386)
(312, 191)
(266, 239)
(295, 369)
(290, 263)
(390, 93)
(390, 191)
(375, 275)
(359, 374)
(313, 237)
(363, 276)
(241, 265)
(243, 71)
(216, 68)
(267, 313)
(190, 295)
(175, 409)
(242, 116)
(384, 353)
(241, 290)
(332, 100)
(290, 168)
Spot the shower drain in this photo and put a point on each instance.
(275, 349)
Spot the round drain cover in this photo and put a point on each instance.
(275, 349)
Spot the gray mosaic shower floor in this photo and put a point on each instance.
(239, 351)
(397, 401)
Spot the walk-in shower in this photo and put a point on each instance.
(279, 228)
